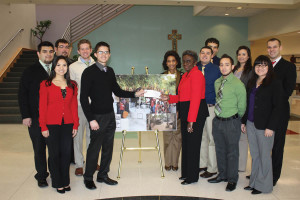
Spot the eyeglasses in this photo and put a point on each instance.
(262, 66)
(103, 52)
(62, 46)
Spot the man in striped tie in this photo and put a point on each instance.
(226, 129)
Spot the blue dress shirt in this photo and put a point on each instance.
(211, 74)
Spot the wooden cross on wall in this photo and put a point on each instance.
(174, 37)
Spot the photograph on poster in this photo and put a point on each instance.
(146, 113)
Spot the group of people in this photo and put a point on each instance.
(224, 107)
(221, 108)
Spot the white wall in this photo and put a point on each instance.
(273, 22)
(12, 18)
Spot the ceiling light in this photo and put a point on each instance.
(239, 8)
(226, 14)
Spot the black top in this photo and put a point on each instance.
(267, 106)
(29, 88)
(64, 93)
(99, 85)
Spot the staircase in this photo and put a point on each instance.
(9, 107)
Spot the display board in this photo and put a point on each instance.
(146, 113)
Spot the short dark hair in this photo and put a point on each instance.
(52, 75)
(269, 76)
(84, 41)
(45, 44)
(190, 53)
(207, 47)
(100, 44)
(176, 56)
(274, 39)
(64, 41)
(227, 56)
(212, 40)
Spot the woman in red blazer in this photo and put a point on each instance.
(59, 121)
(193, 112)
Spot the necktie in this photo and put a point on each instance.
(87, 63)
(203, 67)
(105, 69)
(48, 69)
(219, 97)
(273, 62)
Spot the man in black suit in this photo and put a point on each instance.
(29, 104)
(286, 73)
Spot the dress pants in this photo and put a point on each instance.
(39, 148)
(191, 143)
(101, 138)
(172, 146)
(243, 146)
(78, 139)
(208, 151)
(227, 135)
(279, 142)
(59, 145)
(260, 148)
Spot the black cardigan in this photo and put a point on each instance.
(267, 106)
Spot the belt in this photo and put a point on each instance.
(210, 105)
(228, 118)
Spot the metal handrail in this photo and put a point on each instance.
(19, 31)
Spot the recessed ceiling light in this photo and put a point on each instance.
(226, 14)
(239, 8)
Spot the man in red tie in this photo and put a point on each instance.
(286, 72)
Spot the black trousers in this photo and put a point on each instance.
(39, 148)
(279, 142)
(191, 142)
(102, 138)
(59, 145)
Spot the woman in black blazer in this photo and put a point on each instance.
(265, 95)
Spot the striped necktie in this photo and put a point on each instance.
(219, 97)
(48, 69)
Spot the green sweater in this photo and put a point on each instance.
(234, 96)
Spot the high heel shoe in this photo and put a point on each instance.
(61, 191)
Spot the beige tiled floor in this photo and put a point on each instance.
(17, 170)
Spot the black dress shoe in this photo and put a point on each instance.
(89, 184)
(230, 187)
(217, 180)
(60, 191)
(274, 183)
(182, 178)
(107, 180)
(185, 182)
(255, 191)
(42, 183)
(248, 188)
(248, 177)
(67, 189)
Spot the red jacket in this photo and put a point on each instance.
(191, 88)
(53, 107)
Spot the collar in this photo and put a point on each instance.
(44, 65)
(82, 60)
(101, 67)
(229, 77)
(277, 60)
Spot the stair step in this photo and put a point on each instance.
(26, 60)
(9, 85)
(18, 69)
(9, 110)
(11, 79)
(22, 64)
(33, 56)
(29, 52)
(9, 103)
(9, 90)
(10, 119)
(14, 74)
(8, 97)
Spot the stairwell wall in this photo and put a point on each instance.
(12, 18)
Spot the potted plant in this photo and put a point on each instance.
(40, 29)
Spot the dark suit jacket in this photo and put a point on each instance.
(29, 90)
(286, 72)
(267, 107)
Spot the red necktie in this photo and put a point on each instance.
(273, 62)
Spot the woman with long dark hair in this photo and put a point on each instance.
(265, 95)
(172, 139)
(59, 121)
(243, 71)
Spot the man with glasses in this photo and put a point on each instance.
(214, 44)
(62, 48)
(98, 82)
